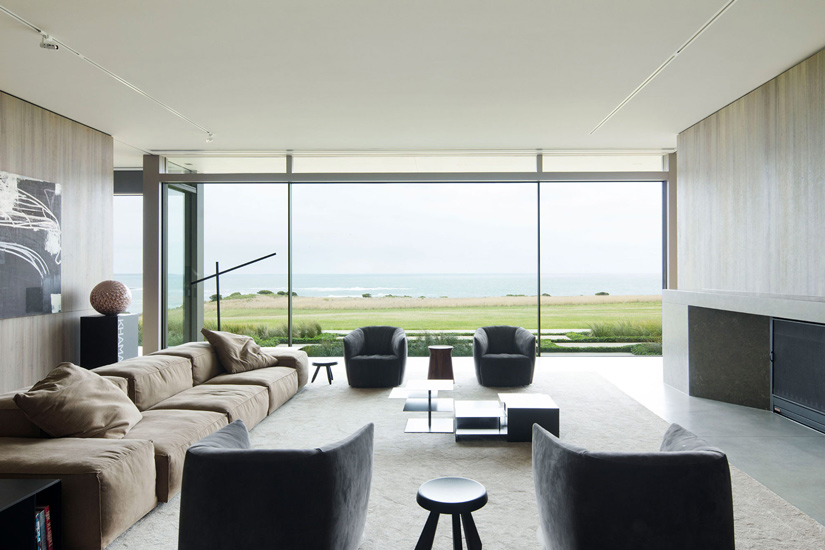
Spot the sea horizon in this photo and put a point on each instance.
(429, 285)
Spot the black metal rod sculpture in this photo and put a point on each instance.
(217, 277)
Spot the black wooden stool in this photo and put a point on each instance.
(329, 370)
(458, 496)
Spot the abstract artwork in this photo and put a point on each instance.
(30, 246)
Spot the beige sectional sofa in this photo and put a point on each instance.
(183, 394)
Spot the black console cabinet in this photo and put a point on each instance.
(18, 500)
(107, 339)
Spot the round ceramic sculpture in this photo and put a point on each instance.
(110, 297)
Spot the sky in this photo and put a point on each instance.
(419, 228)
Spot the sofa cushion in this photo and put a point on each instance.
(281, 383)
(74, 402)
(13, 421)
(172, 432)
(238, 353)
(205, 362)
(152, 378)
(106, 484)
(291, 357)
(249, 403)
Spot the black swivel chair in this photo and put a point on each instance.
(504, 356)
(375, 357)
(678, 498)
(237, 497)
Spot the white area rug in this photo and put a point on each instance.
(594, 414)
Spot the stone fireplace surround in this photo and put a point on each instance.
(716, 344)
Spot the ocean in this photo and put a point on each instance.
(468, 285)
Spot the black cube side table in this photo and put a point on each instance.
(107, 339)
(19, 499)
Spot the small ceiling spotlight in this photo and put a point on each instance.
(47, 43)
(210, 137)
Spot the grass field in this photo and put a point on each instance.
(438, 313)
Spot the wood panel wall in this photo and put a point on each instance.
(751, 190)
(40, 144)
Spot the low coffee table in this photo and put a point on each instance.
(417, 401)
(478, 418)
(511, 417)
(525, 409)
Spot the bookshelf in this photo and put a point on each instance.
(18, 500)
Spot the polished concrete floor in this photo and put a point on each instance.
(783, 455)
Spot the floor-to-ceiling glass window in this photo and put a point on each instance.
(601, 266)
(127, 240)
(175, 267)
(438, 260)
(244, 222)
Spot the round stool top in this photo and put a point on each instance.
(325, 364)
(440, 347)
(451, 495)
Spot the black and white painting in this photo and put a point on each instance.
(30, 246)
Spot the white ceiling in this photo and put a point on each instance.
(408, 75)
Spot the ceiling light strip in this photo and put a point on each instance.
(662, 67)
(106, 71)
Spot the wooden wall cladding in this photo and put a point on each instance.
(40, 144)
(751, 192)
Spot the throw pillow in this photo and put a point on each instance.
(238, 353)
(74, 402)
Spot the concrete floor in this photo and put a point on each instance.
(785, 456)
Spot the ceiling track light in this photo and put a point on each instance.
(664, 65)
(50, 43)
(47, 43)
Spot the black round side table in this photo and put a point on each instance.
(458, 496)
(329, 370)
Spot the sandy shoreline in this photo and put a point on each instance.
(303, 302)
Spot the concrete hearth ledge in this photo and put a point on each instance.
(800, 308)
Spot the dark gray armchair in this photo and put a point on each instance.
(236, 497)
(375, 357)
(678, 498)
(504, 356)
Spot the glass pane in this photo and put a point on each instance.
(243, 222)
(603, 163)
(414, 164)
(176, 267)
(601, 265)
(127, 237)
(439, 260)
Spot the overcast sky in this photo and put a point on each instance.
(421, 228)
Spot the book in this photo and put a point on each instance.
(43, 521)
(39, 519)
(49, 536)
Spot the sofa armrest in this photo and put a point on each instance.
(480, 344)
(525, 342)
(399, 343)
(354, 343)
(293, 358)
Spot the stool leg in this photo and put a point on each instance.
(470, 532)
(456, 532)
(329, 374)
(314, 375)
(425, 541)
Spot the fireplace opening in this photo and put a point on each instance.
(798, 371)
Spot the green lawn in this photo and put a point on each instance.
(451, 318)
